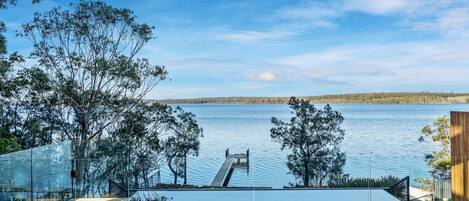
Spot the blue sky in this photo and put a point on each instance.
(283, 48)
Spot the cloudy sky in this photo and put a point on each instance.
(282, 48)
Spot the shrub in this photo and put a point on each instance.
(361, 182)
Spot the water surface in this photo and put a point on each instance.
(380, 140)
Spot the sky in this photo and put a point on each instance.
(215, 48)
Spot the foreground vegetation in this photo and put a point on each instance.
(363, 182)
(439, 160)
(359, 98)
(84, 83)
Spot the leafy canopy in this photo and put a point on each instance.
(10, 89)
(313, 136)
(88, 57)
(185, 139)
(439, 160)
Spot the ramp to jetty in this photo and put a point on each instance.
(232, 161)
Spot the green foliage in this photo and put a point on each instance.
(87, 85)
(313, 136)
(3, 48)
(183, 141)
(425, 183)
(10, 121)
(134, 144)
(359, 98)
(88, 57)
(5, 3)
(8, 142)
(394, 185)
(440, 160)
(362, 182)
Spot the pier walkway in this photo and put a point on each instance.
(232, 161)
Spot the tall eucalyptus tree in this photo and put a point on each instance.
(89, 56)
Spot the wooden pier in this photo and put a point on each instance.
(232, 161)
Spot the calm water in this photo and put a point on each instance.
(380, 140)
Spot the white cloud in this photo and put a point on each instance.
(265, 76)
(377, 6)
(310, 15)
(448, 17)
(252, 36)
(418, 63)
(290, 21)
(453, 23)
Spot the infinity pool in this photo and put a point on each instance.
(270, 195)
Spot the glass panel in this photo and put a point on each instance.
(48, 173)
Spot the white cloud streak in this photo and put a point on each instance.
(450, 18)
(252, 36)
(387, 64)
(311, 15)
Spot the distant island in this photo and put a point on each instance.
(356, 98)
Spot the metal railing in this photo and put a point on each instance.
(442, 189)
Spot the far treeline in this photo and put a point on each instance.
(358, 98)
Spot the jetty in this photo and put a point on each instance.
(232, 161)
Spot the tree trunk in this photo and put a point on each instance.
(185, 169)
(145, 180)
(82, 161)
(80, 167)
(136, 184)
(321, 181)
(175, 178)
(172, 170)
(306, 176)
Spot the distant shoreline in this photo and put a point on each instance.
(356, 98)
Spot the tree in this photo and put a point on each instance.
(9, 119)
(89, 56)
(313, 135)
(8, 142)
(5, 3)
(134, 146)
(37, 123)
(184, 141)
(440, 160)
(9, 92)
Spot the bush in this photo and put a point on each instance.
(425, 183)
(362, 182)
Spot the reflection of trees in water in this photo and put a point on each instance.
(149, 196)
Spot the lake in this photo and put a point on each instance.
(380, 140)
